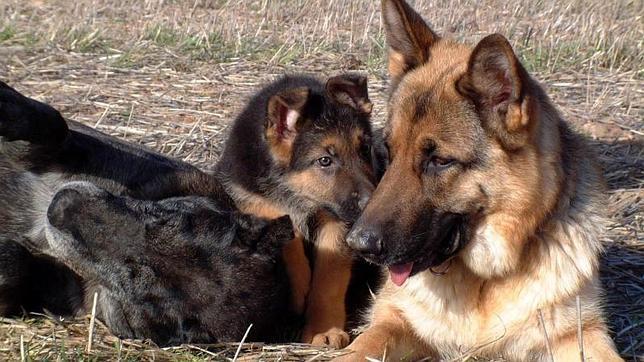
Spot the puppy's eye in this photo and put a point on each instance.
(325, 161)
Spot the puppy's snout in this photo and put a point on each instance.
(361, 198)
(365, 241)
(363, 201)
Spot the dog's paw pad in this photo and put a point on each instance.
(334, 337)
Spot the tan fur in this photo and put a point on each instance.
(533, 251)
(299, 272)
(326, 313)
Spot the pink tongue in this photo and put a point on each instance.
(400, 273)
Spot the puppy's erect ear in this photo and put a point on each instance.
(409, 38)
(497, 83)
(350, 90)
(285, 115)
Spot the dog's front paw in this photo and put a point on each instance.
(333, 337)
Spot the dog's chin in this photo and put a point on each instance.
(348, 217)
(427, 256)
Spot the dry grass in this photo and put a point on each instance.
(171, 74)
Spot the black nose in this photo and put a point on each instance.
(365, 241)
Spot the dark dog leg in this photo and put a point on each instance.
(25, 119)
(82, 150)
(14, 271)
(35, 284)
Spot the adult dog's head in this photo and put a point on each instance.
(472, 168)
(177, 270)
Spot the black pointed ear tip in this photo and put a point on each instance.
(292, 98)
(348, 79)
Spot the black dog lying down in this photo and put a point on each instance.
(175, 270)
(185, 266)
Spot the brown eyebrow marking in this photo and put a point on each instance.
(422, 103)
(423, 100)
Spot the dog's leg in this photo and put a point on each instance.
(326, 313)
(25, 119)
(188, 182)
(299, 272)
(597, 347)
(14, 269)
(389, 337)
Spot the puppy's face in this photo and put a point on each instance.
(164, 267)
(324, 143)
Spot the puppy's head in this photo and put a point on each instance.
(164, 267)
(467, 163)
(322, 140)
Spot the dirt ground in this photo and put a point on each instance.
(172, 74)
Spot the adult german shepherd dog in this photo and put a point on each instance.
(488, 216)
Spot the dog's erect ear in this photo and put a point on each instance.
(350, 90)
(497, 84)
(285, 115)
(409, 38)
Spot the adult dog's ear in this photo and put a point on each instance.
(350, 90)
(74, 204)
(285, 116)
(85, 223)
(498, 85)
(410, 39)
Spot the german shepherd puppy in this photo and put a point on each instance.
(302, 148)
(488, 216)
(146, 257)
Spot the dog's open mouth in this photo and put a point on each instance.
(453, 242)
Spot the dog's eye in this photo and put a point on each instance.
(441, 162)
(325, 161)
(435, 164)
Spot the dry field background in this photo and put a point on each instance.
(172, 74)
